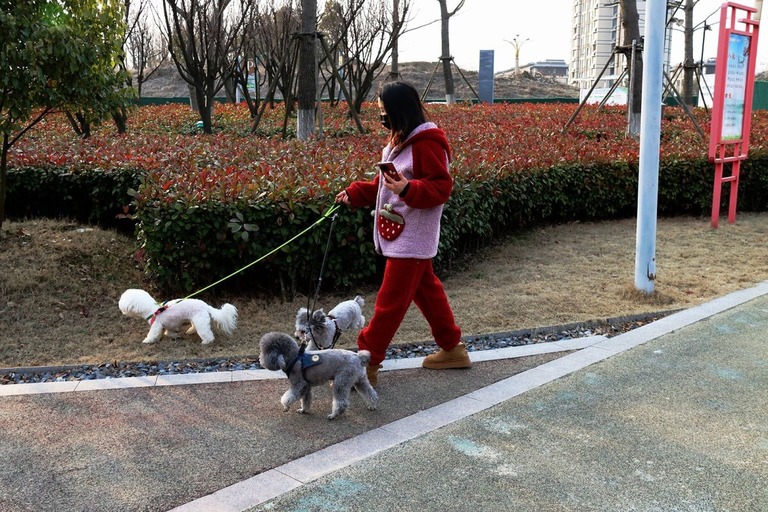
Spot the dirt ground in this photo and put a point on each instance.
(61, 282)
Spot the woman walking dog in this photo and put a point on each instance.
(408, 194)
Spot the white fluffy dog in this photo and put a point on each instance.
(279, 351)
(173, 316)
(320, 331)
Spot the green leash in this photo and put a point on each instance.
(317, 222)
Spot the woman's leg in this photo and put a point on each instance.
(401, 279)
(432, 301)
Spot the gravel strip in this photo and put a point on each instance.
(608, 328)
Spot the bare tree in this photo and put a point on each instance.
(247, 66)
(275, 28)
(332, 25)
(397, 28)
(307, 83)
(144, 45)
(368, 42)
(633, 52)
(202, 34)
(446, 58)
(274, 47)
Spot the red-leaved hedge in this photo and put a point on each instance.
(206, 206)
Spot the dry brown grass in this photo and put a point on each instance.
(60, 283)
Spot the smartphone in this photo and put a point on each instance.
(389, 169)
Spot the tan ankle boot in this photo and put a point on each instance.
(457, 357)
(373, 374)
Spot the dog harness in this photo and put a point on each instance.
(305, 360)
(336, 332)
(162, 308)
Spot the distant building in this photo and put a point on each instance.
(552, 68)
(596, 34)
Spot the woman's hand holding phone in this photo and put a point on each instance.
(388, 168)
(393, 180)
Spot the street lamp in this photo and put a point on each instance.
(517, 44)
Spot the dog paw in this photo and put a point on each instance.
(371, 407)
(333, 416)
(301, 411)
(148, 341)
(207, 342)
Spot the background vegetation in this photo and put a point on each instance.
(206, 206)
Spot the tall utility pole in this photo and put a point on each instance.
(517, 43)
(650, 134)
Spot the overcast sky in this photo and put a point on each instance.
(544, 25)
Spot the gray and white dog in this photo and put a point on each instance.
(279, 351)
(320, 331)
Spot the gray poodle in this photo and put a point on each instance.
(279, 351)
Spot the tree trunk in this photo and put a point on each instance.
(631, 32)
(450, 96)
(3, 177)
(120, 117)
(204, 106)
(688, 64)
(394, 70)
(307, 71)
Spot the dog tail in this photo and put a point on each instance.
(365, 357)
(225, 318)
(360, 300)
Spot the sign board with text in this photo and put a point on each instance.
(732, 102)
(485, 76)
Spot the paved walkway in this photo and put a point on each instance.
(670, 416)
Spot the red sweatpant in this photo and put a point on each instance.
(408, 280)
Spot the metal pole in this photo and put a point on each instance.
(650, 133)
(594, 84)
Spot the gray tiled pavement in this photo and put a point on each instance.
(670, 416)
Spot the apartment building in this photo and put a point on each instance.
(596, 33)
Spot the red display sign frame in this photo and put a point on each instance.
(732, 103)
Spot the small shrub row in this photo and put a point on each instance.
(186, 246)
(190, 247)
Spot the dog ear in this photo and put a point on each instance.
(318, 316)
(273, 361)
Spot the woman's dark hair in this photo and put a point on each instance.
(404, 109)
